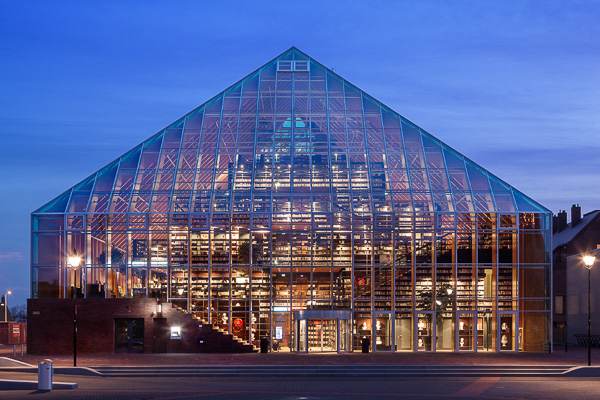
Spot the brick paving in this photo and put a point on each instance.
(575, 356)
(101, 388)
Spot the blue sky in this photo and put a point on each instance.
(513, 85)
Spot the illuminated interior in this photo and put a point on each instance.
(294, 190)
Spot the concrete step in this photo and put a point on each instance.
(336, 371)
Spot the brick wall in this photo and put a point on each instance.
(50, 327)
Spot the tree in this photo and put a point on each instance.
(443, 299)
(243, 253)
(19, 313)
(117, 259)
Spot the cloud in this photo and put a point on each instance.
(11, 256)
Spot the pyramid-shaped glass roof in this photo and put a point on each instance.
(292, 127)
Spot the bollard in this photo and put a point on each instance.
(264, 345)
(45, 372)
(366, 343)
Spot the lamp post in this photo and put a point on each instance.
(74, 261)
(589, 260)
(8, 292)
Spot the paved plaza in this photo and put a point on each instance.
(96, 388)
(465, 386)
(575, 356)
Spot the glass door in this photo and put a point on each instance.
(315, 331)
(425, 334)
(129, 335)
(486, 331)
(444, 331)
(328, 335)
(384, 328)
(467, 328)
(344, 337)
(404, 332)
(301, 335)
(322, 335)
(507, 333)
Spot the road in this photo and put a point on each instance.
(92, 388)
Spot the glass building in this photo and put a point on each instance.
(295, 206)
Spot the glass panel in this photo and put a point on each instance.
(345, 341)
(444, 332)
(363, 329)
(138, 282)
(486, 329)
(281, 334)
(117, 278)
(95, 280)
(301, 333)
(261, 320)
(425, 331)
(46, 283)
(199, 282)
(328, 335)
(383, 332)
(404, 332)
(466, 331)
(508, 324)
(239, 321)
(158, 283)
(219, 314)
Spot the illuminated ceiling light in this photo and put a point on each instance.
(74, 260)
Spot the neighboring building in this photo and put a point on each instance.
(569, 242)
(5, 314)
(292, 206)
(577, 299)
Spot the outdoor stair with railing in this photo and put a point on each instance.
(216, 339)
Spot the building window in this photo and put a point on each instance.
(293, 66)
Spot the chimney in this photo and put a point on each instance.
(554, 223)
(562, 220)
(575, 215)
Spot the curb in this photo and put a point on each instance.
(85, 371)
(356, 371)
(583, 372)
(10, 384)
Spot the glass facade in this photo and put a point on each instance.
(295, 191)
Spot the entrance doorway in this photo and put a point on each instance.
(486, 338)
(322, 331)
(404, 332)
(129, 335)
(322, 335)
(384, 328)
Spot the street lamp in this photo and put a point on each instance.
(589, 260)
(74, 260)
(5, 298)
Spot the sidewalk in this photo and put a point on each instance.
(575, 356)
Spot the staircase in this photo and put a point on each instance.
(210, 338)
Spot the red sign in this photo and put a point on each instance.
(238, 322)
(12, 333)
